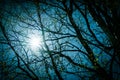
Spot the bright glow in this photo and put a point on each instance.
(35, 42)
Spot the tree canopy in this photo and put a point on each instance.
(60, 40)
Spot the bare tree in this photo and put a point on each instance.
(78, 39)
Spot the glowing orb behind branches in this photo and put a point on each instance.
(35, 42)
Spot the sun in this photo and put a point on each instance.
(34, 42)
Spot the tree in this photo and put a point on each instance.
(107, 14)
(78, 39)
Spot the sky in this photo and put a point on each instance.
(23, 28)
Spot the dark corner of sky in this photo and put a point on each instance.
(7, 2)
